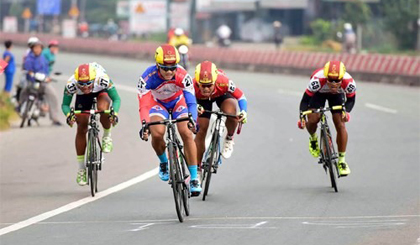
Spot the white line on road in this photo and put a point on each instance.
(290, 92)
(380, 108)
(78, 203)
(127, 88)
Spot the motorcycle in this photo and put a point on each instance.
(183, 52)
(34, 106)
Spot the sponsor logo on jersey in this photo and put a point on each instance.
(181, 108)
(158, 108)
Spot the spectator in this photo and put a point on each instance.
(10, 68)
(50, 52)
(349, 39)
(278, 38)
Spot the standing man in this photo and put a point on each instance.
(9, 72)
(50, 53)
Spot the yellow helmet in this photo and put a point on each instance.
(167, 55)
(334, 70)
(84, 73)
(206, 72)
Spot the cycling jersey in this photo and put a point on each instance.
(155, 92)
(179, 40)
(102, 83)
(222, 86)
(318, 85)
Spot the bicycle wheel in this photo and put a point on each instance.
(175, 181)
(209, 163)
(185, 186)
(27, 105)
(92, 172)
(327, 143)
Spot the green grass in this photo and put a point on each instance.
(7, 112)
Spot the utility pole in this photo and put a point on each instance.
(192, 20)
(168, 15)
(418, 30)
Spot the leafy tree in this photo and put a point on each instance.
(321, 30)
(400, 18)
(357, 12)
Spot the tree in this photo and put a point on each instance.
(357, 12)
(401, 19)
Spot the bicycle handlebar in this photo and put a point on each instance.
(319, 110)
(220, 113)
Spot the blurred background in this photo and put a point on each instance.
(378, 26)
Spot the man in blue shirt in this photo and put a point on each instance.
(36, 63)
(11, 67)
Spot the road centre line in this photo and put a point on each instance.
(76, 204)
(290, 92)
(380, 108)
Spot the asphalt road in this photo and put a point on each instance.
(270, 192)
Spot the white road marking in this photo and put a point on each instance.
(233, 226)
(357, 223)
(380, 108)
(76, 204)
(126, 88)
(290, 92)
(142, 227)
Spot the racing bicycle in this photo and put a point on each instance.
(328, 157)
(212, 157)
(178, 167)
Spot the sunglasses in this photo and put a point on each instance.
(206, 85)
(84, 84)
(168, 68)
(334, 81)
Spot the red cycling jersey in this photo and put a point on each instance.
(318, 83)
(222, 86)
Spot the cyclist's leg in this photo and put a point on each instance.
(82, 127)
(180, 110)
(103, 104)
(203, 123)
(228, 105)
(317, 101)
(342, 136)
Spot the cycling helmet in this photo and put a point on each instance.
(334, 70)
(167, 55)
(33, 44)
(206, 72)
(52, 43)
(32, 40)
(178, 31)
(85, 73)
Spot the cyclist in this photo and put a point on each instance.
(88, 82)
(50, 52)
(162, 87)
(212, 85)
(179, 38)
(329, 83)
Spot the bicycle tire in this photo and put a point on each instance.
(185, 187)
(92, 174)
(174, 175)
(210, 161)
(28, 106)
(327, 141)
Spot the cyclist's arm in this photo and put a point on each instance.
(145, 99)
(239, 95)
(304, 103)
(116, 100)
(189, 95)
(350, 103)
(65, 105)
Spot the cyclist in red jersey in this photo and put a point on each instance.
(329, 83)
(212, 85)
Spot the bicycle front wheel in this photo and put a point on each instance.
(92, 163)
(328, 154)
(209, 163)
(27, 105)
(176, 181)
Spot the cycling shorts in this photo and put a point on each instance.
(208, 104)
(84, 101)
(178, 106)
(319, 99)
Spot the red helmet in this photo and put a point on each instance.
(53, 43)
